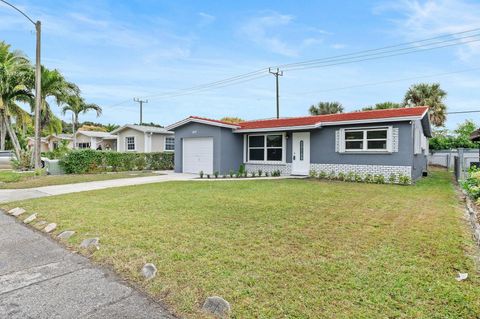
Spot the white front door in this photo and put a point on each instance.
(198, 155)
(301, 153)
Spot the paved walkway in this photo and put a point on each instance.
(40, 279)
(10, 195)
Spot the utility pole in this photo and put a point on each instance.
(38, 82)
(276, 74)
(140, 101)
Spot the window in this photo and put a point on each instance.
(83, 145)
(130, 143)
(366, 139)
(55, 145)
(169, 143)
(265, 148)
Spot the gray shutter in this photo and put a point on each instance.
(395, 142)
(337, 141)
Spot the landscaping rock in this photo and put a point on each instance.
(217, 306)
(50, 227)
(17, 211)
(461, 276)
(30, 218)
(66, 234)
(90, 242)
(149, 271)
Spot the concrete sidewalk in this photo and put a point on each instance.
(10, 195)
(40, 279)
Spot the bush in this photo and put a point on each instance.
(322, 174)
(368, 178)
(253, 174)
(379, 179)
(215, 174)
(404, 179)
(201, 174)
(392, 179)
(260, 173)
(24, 163)
(266, 174)
(312, 173)
(332, 175)
(350, 177)
(358, 178)
(341, 176)
(231, 173)
(92, 161)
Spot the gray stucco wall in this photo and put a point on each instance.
(227, 147)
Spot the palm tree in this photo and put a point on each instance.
(111, 127)
(326, 108)
(430, 95)
(54, 85)
(76, 104)
(15, 73)
(383, 106)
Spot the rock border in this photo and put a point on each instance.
(473, 216)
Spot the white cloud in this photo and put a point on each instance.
(279, 33)
(424, 19)
(205, 19)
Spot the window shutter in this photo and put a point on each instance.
(395, 141)
(339, 141)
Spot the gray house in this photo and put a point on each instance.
(370, 142)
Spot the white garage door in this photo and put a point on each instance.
(198, 155)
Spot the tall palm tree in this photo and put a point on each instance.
(430, 95)
(15, 74)
(326, 108)
(383, 106)
(54, 85)
(76, 104)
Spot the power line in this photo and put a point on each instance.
(276, 73)
(329, 61)
(462, 112)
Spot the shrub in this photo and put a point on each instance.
(392, 179)
(253, 174)
(231, 173)
(245, 173)
(208, 176)
(241, 169)
(201, 174)
(379, 179)
(350, 177)
(89, 161)
(312, 173)
(24, 163)
(266, 174)
(368, 178)
(404, 179)
(260, 173)
(341, 176)
(322, 174)
(332, 175)
(215, 174)
(358, 178)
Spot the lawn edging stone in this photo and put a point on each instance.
(217, 306)
(149, 271)
(30, 218)
(17, 211)
(473, 217)
(66, 234)
(90, 242)
(50, 227)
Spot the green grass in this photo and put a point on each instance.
(18, 180)
(284, 248)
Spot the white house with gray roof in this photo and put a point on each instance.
(143, 139)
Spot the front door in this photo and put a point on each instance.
(300, 153)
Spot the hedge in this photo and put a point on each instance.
(92, 161)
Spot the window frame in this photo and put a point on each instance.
(134, 144)
(81, 145)
(265, 148)
(170, 144)
(388, 140)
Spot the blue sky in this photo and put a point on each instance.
(116, 50)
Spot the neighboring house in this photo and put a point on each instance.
(144, 139)
(369, 142)
(51, 142)
(96, 140)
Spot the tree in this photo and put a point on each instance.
(111, 127)
(383, 106)
(76, 104)
(56, 86)
(444, 139)
(326, 108)
(430, 95)
(15, 70)
(231, 119)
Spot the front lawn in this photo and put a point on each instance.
(284, 248)
(17, 180)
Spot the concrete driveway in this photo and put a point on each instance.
(40, 279)
(10, 195)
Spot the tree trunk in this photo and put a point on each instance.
(74, 120)
(13, 137)
(3, 132)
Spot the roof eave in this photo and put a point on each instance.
(201, 121)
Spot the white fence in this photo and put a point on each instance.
(446, 158)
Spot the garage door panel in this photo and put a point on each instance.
(198, 155)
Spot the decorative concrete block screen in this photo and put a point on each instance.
(385, 170)
(285, 169)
